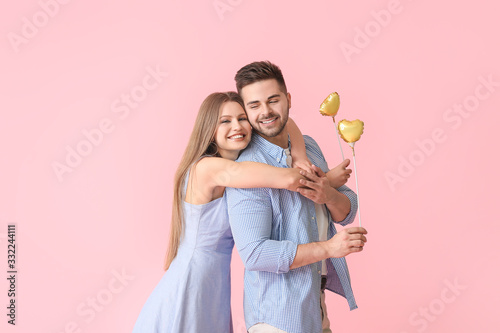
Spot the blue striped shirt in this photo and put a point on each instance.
(267, 225)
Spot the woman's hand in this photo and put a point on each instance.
(303, 164)
(339, 175)
(294, 179)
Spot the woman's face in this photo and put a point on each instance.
(233, 131)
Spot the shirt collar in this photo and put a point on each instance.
(276, 152)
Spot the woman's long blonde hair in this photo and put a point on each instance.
(200, 143)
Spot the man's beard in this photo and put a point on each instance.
(271, 133)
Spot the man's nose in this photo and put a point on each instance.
(265, 110)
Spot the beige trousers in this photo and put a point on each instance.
(265, 328)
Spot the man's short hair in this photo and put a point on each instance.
(259, 71)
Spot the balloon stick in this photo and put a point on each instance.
(356, 177)
(338, 138)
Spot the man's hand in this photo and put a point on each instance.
(321, 192)
(345, 242)
(339, 175)
(318, 186)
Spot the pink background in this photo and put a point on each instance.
(428, 200)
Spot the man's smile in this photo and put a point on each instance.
(269, 121)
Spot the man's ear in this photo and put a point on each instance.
(289, 98)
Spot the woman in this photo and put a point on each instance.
(194, 293)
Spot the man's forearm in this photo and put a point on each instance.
(309, 253)
(345, 242)
(339, 206)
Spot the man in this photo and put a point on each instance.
(278, 232)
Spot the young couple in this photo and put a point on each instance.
(271, 194)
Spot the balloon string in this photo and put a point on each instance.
(338, 138)
(357, 189)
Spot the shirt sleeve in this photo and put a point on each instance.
(317, 157)
(353, 198)
(251, 219)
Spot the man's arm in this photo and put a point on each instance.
(345, 242)
(342, 205)
(250, 217)
(339, 210)
(321, 192)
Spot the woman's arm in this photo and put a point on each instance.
(216, 171)
(298, 149)
(338, 176)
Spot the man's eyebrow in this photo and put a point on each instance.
(270, 97)
(252, 102)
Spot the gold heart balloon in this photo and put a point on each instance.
(351, 131)
(330, 105)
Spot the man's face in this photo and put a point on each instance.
(267, 107)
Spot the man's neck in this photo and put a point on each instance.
(280, 140)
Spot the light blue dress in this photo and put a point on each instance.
(194, 293)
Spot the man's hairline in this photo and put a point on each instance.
(271, 78)
(279, 85)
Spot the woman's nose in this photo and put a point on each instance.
(236, 125)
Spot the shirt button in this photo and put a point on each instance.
(319, 272)
(277, 159)
(312, 218)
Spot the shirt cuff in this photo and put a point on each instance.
(287, 256)
(353, 198)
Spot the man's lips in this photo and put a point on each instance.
(268, 121)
